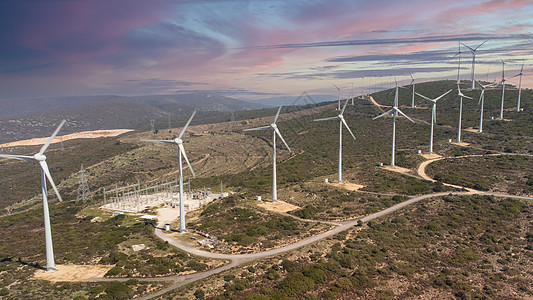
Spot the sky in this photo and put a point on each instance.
(254, 49)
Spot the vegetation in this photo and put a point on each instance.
(454, 246)
(507, 173)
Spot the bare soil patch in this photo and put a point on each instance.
(77, 135)
(73, 273)
(397, 169)
(279, 206)
(348, 186)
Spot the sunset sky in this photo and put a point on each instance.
(253, 49)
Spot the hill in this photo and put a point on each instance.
(24, 118)
(481, 258)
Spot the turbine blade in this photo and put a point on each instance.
(327, 119)
(186, 125)
(384, 114)
(182, 149)
(277, 114)
(467, 97)
(438, 98)
(428, 99)
(346, 125)
(283, 140)
(480, 45)
(21, 157)
(336, 87)
(468, 47)
(435, 113)
(401, 113)
(481, 96)
(160, 141)
(44, 167)
(258, 128)
(344, 107)
(45, 146)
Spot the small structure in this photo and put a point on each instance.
(148, 218)
(325, 180)
(167, 227)
(380, 165)
(419, 151)
(116, 213)
(258, 198)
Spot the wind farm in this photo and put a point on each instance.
(380, 214)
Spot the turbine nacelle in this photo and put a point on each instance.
(39, 157)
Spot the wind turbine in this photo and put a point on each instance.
(338, 97)
(503, 89)
(181, 152)
(481, 101)
(45, 174)
(275, 131)
(413, 84)
(394, 112)
(473, 50)
(461, 96)
(519, 87)
(433, 115)
(340, 117)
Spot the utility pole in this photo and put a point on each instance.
(84, 194)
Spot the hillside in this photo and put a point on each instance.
(24, 118)
(335, 267)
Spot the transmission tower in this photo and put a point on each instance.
(84, 194)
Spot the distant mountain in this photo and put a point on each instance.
(292, 100)
(28, 118)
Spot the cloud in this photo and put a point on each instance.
(407, 40)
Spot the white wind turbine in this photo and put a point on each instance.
(338, 97)
(473, 50)
(519, 86)
(45, 174)
(481, 102)
(503, 89)
(394, 112)
(461, 96)
(413, 84)
(342, 121)
(433, 115)
(181, 152)
(275, 131)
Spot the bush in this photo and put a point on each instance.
(119, 290)
(199, 294)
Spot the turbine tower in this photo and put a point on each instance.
(481, 102)
(275, 131)
(459, 65)
(461, 96)
(503, 89)
(433, 115)
(45, 174)
(341, 120)
(394, 112)
(519, 86)
(338, 97)
(181, 153)
(413, 84)
(473, 50)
